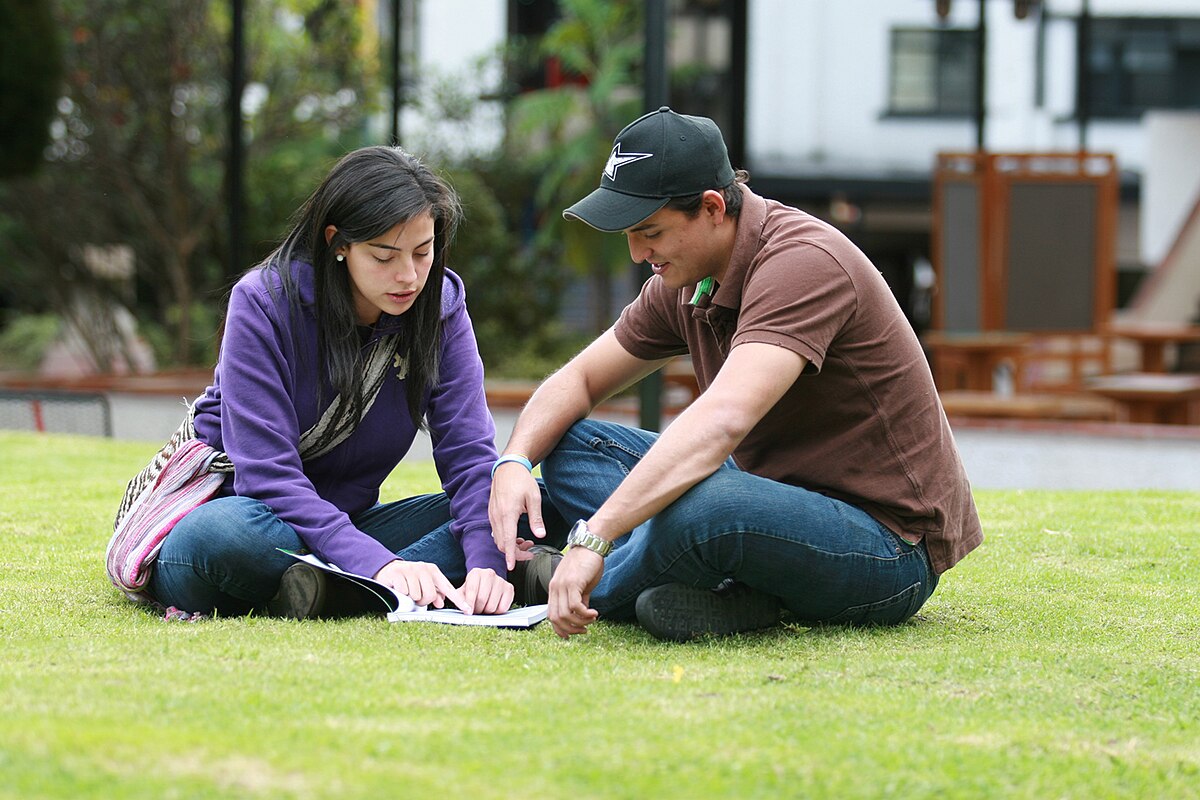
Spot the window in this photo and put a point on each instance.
(1136, 64)
(700, 54)
(932, 72)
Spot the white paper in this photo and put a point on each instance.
(524, 617)
(401, 608)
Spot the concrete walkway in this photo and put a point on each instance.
(1095, 456)
(998, 455)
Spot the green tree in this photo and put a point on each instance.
(30, 72)
(513, 291)
(513, 294)
(138, 149)
(566, 132)
(314, 83)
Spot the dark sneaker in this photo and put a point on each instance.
(677, 612)
(301, 595)
(531, 579)
(306, 592)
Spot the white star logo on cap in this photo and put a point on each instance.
(617, 159)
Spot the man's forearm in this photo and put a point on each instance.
(554, 407)
(751, 381)
(570, 394)
(690, 450)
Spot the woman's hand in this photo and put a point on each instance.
(486, 592)
(424, 583)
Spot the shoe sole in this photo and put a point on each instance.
(679, 613)
(301, 593)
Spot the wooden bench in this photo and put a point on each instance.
(678, 377)
(1152, 339)
(680, 387)
(508, 393)
(1165, 399)
(989, 405)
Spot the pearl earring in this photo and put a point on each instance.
(340, 257)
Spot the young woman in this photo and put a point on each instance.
(355, 305)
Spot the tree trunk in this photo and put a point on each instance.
(181, 292)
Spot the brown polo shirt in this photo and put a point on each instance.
(863, 423)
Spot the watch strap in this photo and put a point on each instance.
(580, 536)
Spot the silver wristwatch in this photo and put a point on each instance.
(580, 536)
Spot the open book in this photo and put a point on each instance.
(400, 608)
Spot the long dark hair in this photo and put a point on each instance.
(366, 194)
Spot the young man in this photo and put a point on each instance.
(816, 471)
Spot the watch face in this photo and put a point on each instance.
(580, 536)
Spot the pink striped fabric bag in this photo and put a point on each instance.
(186, 480)
(186, 472)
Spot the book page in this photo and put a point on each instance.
(524, 617)
(401, 608)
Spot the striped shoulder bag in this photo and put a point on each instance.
(186, 473)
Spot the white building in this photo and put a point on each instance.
(840, 106)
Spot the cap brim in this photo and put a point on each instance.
(610, 211)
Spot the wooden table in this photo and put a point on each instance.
(1153, 397)
(969, 360)
(1152, 339)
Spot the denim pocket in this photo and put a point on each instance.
(892, 611)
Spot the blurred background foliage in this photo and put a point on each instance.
(599, 48)
(115, 209)
(30, 74)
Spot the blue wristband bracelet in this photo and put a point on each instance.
(522, 460)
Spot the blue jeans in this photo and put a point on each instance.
(828, 561)
(223, 554)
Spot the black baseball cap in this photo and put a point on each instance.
(655, 158)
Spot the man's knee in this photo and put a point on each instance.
(586, 433)
(580, 440)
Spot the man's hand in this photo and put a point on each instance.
(514, 492)
(423, 582)
(570, 589)
(486, 592)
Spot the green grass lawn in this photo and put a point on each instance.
(1061, 659)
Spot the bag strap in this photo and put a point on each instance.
(337, 423)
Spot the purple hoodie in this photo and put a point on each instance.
(264, 395)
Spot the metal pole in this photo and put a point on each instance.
(656, 93)
(235, 165)
(1039, 89)
(1083, 103)
(397, 78)
(981, 79)
(656, 86)
(735, 137)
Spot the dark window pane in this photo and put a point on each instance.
(932, 71)
(1137, 64)
(1187, 80)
